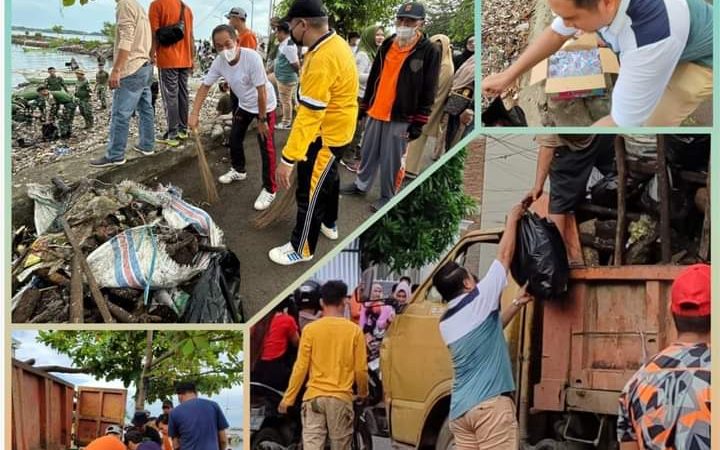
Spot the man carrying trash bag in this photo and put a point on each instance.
(482, 410)
(569, 160)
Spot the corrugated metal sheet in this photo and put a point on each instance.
(345, 266)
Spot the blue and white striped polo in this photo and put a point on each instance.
(472, 329)
(652, 37)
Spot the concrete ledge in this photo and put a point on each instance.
(72, 169)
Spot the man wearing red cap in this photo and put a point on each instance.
(666, 404)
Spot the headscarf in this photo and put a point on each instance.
(403, 286)
(446, 60)
(464, 76)
(367, 41)
(462, 57)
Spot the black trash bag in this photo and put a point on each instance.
(496, 115)
(213, 297)
(680, 201)
(50, 132)
(688, 151)
(605, 191)
(540, 258)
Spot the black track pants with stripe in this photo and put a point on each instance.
(317, 196)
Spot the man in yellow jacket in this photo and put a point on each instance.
(325, 123)
(332, 352)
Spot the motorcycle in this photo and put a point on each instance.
(271, 430)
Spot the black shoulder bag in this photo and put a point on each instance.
(170, 34)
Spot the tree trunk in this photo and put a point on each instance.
(142, 387)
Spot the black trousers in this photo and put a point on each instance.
(241, 121)
(317, 196)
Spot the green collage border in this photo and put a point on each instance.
(479, 131)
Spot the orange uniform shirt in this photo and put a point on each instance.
(248, 40)
(179, 55)
(381, 109)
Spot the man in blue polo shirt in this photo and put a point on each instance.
(482, 411)
(665, 49)
(196, 423)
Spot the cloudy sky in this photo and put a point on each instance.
(90, 17)
(230, 400)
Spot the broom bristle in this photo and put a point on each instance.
(279, 208)
(205, 172)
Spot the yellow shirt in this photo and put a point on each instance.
(327, 96)
(332, 350)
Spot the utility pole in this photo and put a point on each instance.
(252, 15)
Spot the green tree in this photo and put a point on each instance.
(424, 224)
(351, 15)
(154, 361)
(453, 18)
(108, 30)
(57, 29)
(72, 2)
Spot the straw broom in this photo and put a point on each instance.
(205, 172)
(279, 208)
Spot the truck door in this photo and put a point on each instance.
(98, 408)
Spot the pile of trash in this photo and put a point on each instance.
(145, 254)
(687, 170)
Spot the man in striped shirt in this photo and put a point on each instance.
(665, 49)
(482, 410)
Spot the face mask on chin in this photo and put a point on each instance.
(230, 54)
(405, 33)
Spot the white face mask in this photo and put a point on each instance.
(405, 33)
(230, 54)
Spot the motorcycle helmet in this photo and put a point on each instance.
(114, 429)
(307, 296)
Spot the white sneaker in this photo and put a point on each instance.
(330, 233)
(232, 175)
(264, 199)
(283, 126)
(286, 255)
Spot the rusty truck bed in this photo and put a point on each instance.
(613, 320)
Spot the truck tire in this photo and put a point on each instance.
(267, 436)
(445, 439)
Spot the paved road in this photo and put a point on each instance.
(262, 280)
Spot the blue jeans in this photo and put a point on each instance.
(133, 94)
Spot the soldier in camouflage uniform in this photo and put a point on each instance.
(49, 104)
(82, 98)
(101, 85)
(55, 83)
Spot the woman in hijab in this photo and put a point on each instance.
(468, 52)
(370, 40)
(367, 49)
(432, 128)
(459, 123)
(374, 320)
(402, 296)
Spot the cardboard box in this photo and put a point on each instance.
(572, 87)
